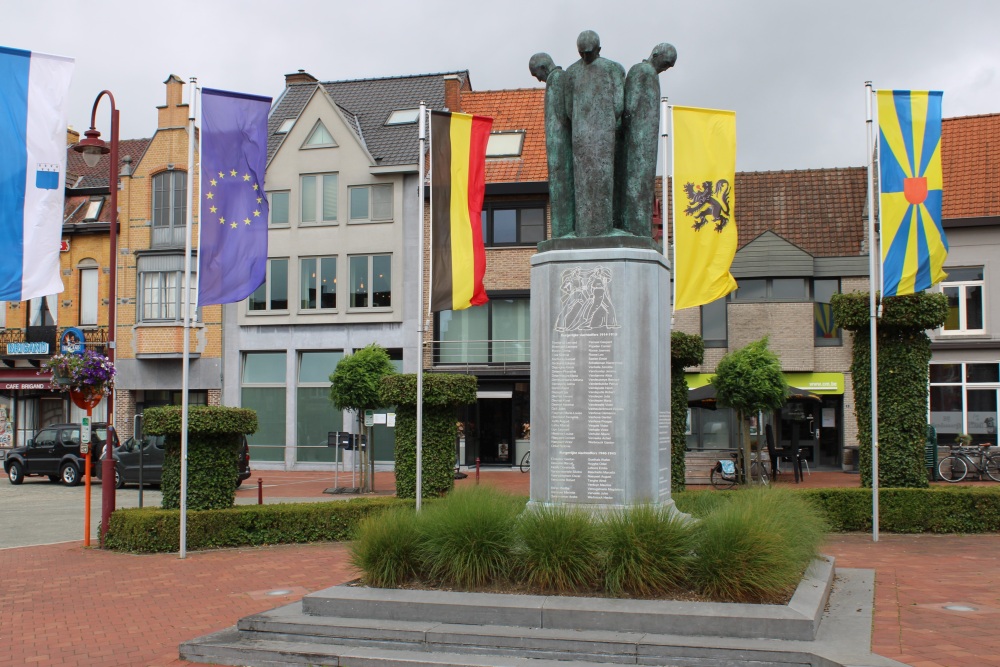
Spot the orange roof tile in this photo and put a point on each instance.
(518, 109)
(970, 160)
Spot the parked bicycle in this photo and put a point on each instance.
(727, 474)
(526, 461)
(955, 467)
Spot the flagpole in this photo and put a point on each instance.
(420, 306)
(873, 261)
(186, 305)
(673, 216)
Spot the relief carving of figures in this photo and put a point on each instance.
(585, 301)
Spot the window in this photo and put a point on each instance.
(771, 289)
(826, 333)
(169, 207)
(314, 416)
(963, 399)
(513, 224)
(263, 390)
(497, 332)
(371, 281)
(3, 314)
(403, 117)
(319, 198)
(286, 126)
(318, 283)
(88, 293)
(714, 323)
(273, 294)
(320, 137)
(160, 295)
(964, 291)
(94, 207)
(43, 311)
(371, 202)
(505, 144)
(279, 208)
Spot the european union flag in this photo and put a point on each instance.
(232, 260)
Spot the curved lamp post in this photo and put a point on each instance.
(93, 147)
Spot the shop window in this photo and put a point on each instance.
(963, 399)
(263, 390)
(315, 417)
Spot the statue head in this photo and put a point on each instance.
(663, 57)
(589, 46)
(540, 66)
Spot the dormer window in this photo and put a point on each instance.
(320, 137)
(94, 207)
(286, 126)
(505, 144)
(403, 117)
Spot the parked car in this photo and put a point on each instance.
(54, 451)
(149, 453)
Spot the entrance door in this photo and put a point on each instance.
(798, 428)
(828, 421)
(495, 431)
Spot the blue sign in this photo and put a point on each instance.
(27, 348)
(71, 341)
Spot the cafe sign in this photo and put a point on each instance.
(27, 348)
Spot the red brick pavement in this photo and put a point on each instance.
(69, 605)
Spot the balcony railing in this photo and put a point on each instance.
(495, 354)
(96, 338)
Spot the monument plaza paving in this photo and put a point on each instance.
(63, 604)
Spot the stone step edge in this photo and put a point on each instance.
(798, 620)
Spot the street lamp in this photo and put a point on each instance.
(93, 147)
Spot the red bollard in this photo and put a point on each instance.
(477, 471)
(260, 490)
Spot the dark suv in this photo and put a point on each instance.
(55, 452)
(148, 453)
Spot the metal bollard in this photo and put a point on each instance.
(477, 471)
(260, 490)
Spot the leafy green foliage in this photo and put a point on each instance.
(903, 354)
(558, 549)
(756, 546)
(212, 469)
(750, 379)
(440, 389)
(646, 551)
(152, 530)
(385, 549)
(685, 350)
(442, 393)
(467, 539)
(207, 419)
(357, 380)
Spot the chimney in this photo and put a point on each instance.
(72, 136)
(301, 76)
(175, 112)
(452, 86)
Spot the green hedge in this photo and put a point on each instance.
(939, 509)
(151, 530)
(685, 350)
(207, 419)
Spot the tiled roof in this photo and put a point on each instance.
(368, 102)
(821, 211)
(519, 109)
(970, 160)
(79, 175)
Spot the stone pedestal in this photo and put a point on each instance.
(600, 378)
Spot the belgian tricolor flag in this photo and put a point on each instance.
(458, 181)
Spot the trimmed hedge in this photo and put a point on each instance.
(939, 509)
(151, 530)
(685, 350)
(215, 436)
(442, 394)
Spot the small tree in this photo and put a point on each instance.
(686, 350)
(749, 380)
(356, 385)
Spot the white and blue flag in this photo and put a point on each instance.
(34, 95)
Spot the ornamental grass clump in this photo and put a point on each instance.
(558, 549)
(385, 548)
(646, 551)
(467, 538)
(756, 547)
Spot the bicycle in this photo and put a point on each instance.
(526, 461)
(727, 474)
(954, 467)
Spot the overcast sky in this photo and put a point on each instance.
(793, 71)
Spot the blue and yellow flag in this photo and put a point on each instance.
(914, 248)
(705, 237)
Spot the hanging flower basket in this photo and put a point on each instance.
(89, 373)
